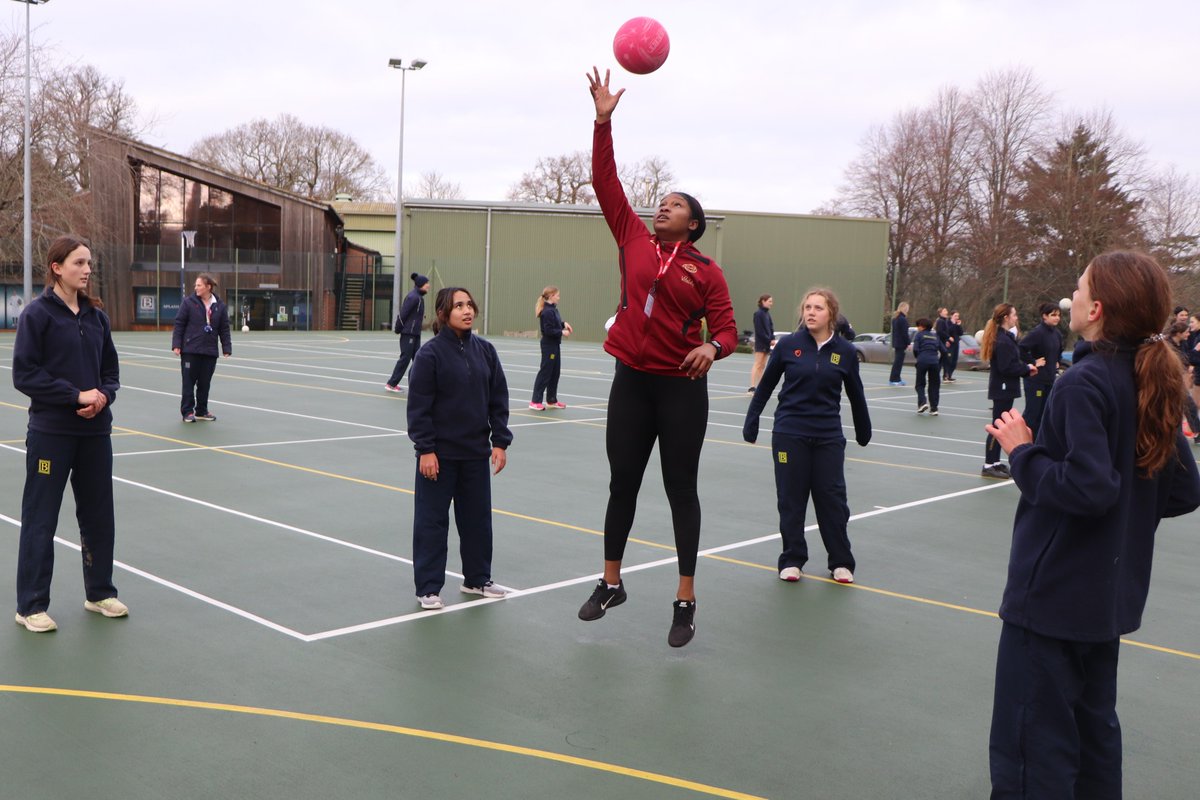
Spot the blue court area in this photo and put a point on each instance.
(275, 649)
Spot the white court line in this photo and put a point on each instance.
(517, 593)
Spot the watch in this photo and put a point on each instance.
(717, 345)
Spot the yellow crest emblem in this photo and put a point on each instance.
(43, 466)
(836, 358)
(782, 456)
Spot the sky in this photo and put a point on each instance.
(759, 107)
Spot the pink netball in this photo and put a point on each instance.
(641, 45)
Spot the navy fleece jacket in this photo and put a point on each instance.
(57, 355)
(458, 398)
(810, 403)
(1083, 537)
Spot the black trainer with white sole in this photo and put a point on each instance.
(683, 623)
(602, 599)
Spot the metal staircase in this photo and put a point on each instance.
(352, 302)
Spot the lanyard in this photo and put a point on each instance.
(664, 265)
(662, 270)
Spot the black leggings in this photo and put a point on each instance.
(643, 408)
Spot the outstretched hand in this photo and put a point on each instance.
(605, 100)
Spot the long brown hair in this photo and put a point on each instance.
(1135, 299)
(60, 248)
(999, 313)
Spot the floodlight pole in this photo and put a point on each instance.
(27, 202)
(398, 260)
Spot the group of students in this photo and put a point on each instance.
(1107, 463)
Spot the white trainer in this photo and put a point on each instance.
(38, 623)
(789, 574)
(843, 575)
(431, 602)
(109, 607)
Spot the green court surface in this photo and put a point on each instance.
(274, 648)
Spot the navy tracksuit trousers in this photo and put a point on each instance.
(408, 348)
(928, 373)
(1055, 732)
(551, 367)
(50, 460)
(468, 483)
(991, 447)
(1035, 402)
(197, 378)
(817, 467)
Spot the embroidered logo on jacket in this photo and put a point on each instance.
(836, 358)
(689, 267)
(797, 352)
(687, 279)
(782, 456)
(43, 466)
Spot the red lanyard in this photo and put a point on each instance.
(663, 266)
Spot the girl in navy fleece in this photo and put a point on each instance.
(1043, 342)
(1108, 464)
(764, 338)
(65, 361)
(201, 327)
(807, 443)
(553, 330)
(930, 351)
(999, 346)
(458, 421)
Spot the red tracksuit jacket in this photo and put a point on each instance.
(692, 288)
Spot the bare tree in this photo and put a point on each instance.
(1010, 110)
(1171, 220)
(884, 181)
(316, 162)
(646, 181)
(66, 103)
(435, 187)
(76, 100)
(557, 179)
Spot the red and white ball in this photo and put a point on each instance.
(641, 45)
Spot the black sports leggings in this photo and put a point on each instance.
(643, 408)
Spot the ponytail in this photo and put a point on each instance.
(1160, 402)
(992, 328)
(541, 301)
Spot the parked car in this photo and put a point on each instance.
(876, 348)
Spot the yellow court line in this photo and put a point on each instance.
(530, 752)
(365, 482)
(940, 604)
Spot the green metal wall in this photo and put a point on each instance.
(532, 248)
(784, 256)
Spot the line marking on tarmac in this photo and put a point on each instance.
(343, 722)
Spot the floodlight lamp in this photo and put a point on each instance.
(396, 63)
(417, 63)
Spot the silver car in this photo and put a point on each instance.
(876, 348)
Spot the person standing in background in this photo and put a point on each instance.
(929, 351)
(201, 331)
(408, 325)
(1043, 344)
(999, 346)
(900, 342)
(553, 329)
(956, 332)
(764, 338)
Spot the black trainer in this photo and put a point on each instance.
(683, 626)
(602, 599)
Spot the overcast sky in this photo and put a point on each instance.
(760, 106)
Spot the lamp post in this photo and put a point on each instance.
(398, 261)
(27, 206)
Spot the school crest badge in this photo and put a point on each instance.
(836, 358)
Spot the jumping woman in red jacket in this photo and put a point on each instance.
(659, 390)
